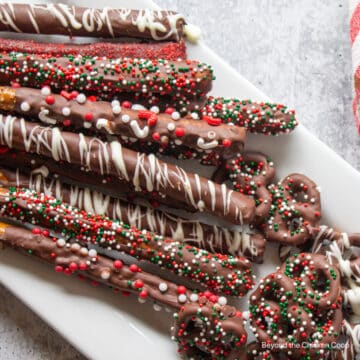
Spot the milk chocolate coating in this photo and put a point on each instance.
(63, 19)
(250, 173)
(139, 50)
(139, 170)
(108, 78)
(295, 205)
(209, 237)
(221, 273)
(71, 259)
(44, 248)
(296, 305)
(196, 339)
(125, 124)
(257, 117)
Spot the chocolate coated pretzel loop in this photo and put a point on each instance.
(219, 330)
(250, 174)
(296, 204)
(299, 304)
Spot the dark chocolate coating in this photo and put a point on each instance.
(63, 19)
(139, 170)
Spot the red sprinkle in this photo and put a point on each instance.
(143, 294)
(118, 264)
(179, 132)
(226, 142)
(50, 100)
(181, 289)
(212, 121)
(88, 117)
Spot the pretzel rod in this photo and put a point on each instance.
(74, 259)
(62, 19)
(108, 78)
(165, 130)
(71, 258)
(224, 274)
(263, 117)
(141, 171)
(208, 237)
(153, 50)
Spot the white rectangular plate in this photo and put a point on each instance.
(106, 326)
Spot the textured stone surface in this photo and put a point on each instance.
(297, 52)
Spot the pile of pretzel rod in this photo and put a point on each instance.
(86, 143)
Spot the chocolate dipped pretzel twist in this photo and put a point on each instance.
(139, 50)
(138, 170)
(224, 274)
(108, 78)
(208, 237)
(63, 19)
(250, 174)
(71, 258)
(299, 304)
(180, 137)
(295, 206)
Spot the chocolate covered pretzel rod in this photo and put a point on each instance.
(139, 50)
(298, 308)
(262, 117)
(139, 170)
(74, 259)
(209, 237)
(63, 19)
(108, 78)
(224, 274)
(180, 137)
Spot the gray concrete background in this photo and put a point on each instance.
(297, 52)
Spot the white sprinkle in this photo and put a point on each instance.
(163, 287)
(125, 118)
(171, 126)
(116, 109)
(66, 111)
(25, 106)
(155, 109)
(92, 253)
(60, 243)
(182, 298)
(81, 98)
(222, 300)
(45, 91)
(175, 115)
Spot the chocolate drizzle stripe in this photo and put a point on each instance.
(144, 172)
(167, 130)
(209, 237)
(63, 19)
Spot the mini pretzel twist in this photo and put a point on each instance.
(250, 174)
(299, 304)
(210, 331)
(295, 205)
